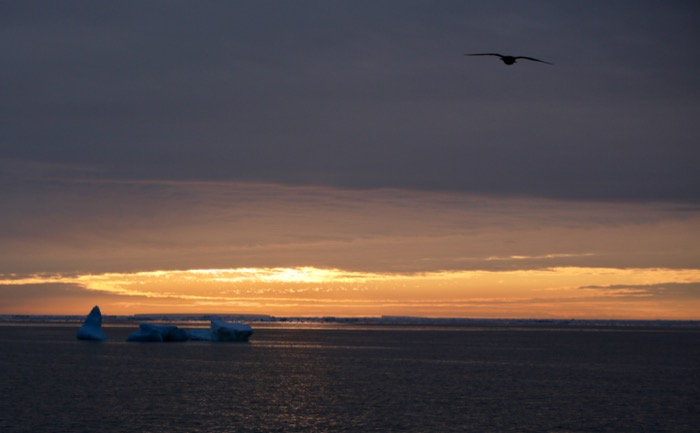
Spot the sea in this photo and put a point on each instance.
(336, 377)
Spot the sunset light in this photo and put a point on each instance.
(449, 186)
(349, 216)
(564, 292)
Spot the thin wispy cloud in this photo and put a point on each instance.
(689, 290)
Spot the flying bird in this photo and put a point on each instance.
(509, 60)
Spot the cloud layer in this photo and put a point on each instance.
(170, 137)
(372, 95)
(87, 226)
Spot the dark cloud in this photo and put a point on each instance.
(361, 94)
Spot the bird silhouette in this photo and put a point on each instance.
(509, 60)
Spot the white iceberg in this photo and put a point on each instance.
(158, 333)
(92, 326)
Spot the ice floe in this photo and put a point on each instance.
(158, 333)
(218, 331)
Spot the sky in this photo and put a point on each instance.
(338, 158)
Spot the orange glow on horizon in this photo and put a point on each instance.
(560, 292)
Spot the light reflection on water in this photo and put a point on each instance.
(350, 379)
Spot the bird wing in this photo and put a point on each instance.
(533, 59)
(485, 54)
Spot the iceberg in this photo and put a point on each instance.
(158, 333)
(199, 334)
(145, 335)
(224, 331)
(218, 331)
(92, 326)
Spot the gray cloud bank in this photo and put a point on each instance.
(360, 94)
(70, 225)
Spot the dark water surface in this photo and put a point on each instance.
(353, 379)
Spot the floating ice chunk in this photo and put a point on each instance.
(218, 331)
(92, 326)
(158, 333)
(224, 331)
(199, 334)
(171, 333)
(146, 334)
